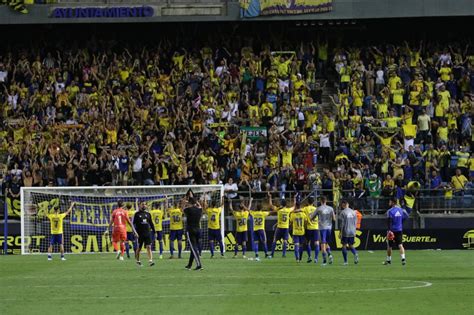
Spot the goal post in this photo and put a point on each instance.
(84, 227)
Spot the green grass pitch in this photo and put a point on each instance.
(433, 282)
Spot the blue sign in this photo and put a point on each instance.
(102, 12)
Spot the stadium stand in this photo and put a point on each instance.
(364, 122)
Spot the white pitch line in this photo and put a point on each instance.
(421, 284)
(219, 276)
(187, 284)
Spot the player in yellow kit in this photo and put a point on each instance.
(259, 231)
(312, 232)
(130, 235)
(56, 219)
(241, 216)
(214, 227)
(298, 221)
(176, 230)
(157, 215)
(283, 224)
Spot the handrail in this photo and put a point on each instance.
(428, 201)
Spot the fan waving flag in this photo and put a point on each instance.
(254, 8)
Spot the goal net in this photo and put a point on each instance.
(84, 227)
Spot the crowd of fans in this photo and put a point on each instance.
(399, 117)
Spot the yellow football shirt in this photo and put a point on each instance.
(56, 220)
(298, 220)
(443, 133)
(130, 213)
(463, 158)
(124, 74)
(178, 61)
(214, 221)
(386, 142)
(471, 164)
(382, 109)
(458, 182)
(393, 81)
(445, 73)
(312, 224)
(111, 136)
(398, 96)
(176, 219)
(414, 100)
(157, 218)
(287, 157)
(448, 193)
(445, 98)
(253, 111)
(392, 122)
(409, 130)
(410, 201)
(259, 219)
(241, 218)
(283, 218)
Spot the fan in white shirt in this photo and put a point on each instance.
(230, 189)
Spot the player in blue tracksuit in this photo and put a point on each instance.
(395, 217)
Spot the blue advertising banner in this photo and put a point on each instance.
(95, 216)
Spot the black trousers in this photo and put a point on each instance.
(192, 237)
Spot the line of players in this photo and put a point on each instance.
(311, 229)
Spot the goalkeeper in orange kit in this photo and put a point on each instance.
(119, 220)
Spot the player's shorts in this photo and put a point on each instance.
(397, 240)
(325, 235)
(144, 239)
(159, 235)
(214, 235)
(298, 239)
(281, 233)
(241, 237)
(176, 235)
(312, 235)
(119, 234)
(347, 240)
(259, 235)
(56, 239)
(130, 236)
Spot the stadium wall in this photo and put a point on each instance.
(230, 11)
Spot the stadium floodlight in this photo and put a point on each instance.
(84, 227)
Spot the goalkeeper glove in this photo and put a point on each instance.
(106, 232)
